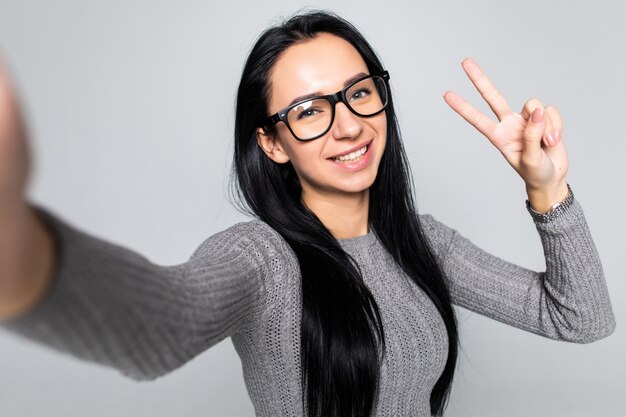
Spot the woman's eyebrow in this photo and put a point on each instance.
(319, 93)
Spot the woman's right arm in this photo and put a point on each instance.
(105, 303)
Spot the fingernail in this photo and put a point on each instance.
(537, 115)
(550, 138)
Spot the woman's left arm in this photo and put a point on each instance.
(568, 301)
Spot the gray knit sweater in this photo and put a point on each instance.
(112, 306)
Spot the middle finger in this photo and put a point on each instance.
(486, 88)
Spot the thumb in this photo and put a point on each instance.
(533, 134)
(14, 148)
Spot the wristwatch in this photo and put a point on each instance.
(555, 210)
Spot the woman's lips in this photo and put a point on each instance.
(353, 149)
(356, 165)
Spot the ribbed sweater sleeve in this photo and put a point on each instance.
(568, 301)
(110, 305)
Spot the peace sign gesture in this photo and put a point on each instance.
(530, 141)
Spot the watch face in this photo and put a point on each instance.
(552, 213)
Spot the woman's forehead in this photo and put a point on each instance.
(321, 64)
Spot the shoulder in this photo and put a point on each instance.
(438, 234)
(255, 239)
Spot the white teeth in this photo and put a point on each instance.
(352, 155)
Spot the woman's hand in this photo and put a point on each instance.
(26, 246)
(530, 141)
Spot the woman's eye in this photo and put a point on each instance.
(363, 92)
(307, 113)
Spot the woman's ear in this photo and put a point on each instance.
(271, 146)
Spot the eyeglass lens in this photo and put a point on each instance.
(312, 118)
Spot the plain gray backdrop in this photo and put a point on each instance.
(130, 107)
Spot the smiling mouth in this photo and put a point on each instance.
(352, 156)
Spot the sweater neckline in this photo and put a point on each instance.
(358, 242)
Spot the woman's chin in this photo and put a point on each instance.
(355, 187)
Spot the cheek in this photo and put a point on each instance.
(305, 158)
(381, 129)
(308, 163)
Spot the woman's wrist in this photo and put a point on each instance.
(543, 200)
(556, 210)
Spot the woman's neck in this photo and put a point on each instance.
(345, 215)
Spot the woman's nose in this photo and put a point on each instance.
(346, 123)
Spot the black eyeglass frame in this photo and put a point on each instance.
(333, 99)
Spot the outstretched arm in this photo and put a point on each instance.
(103, 302)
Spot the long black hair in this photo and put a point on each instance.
(342, 337)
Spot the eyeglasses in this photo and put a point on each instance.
(312, 118)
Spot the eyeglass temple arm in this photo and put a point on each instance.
(270, 122)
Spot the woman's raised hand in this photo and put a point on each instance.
(531, 141)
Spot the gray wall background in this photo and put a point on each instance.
(131, 114)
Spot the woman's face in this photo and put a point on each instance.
(324, 65)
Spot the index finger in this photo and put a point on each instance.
(486, 88)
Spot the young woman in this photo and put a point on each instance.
(338, 296)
